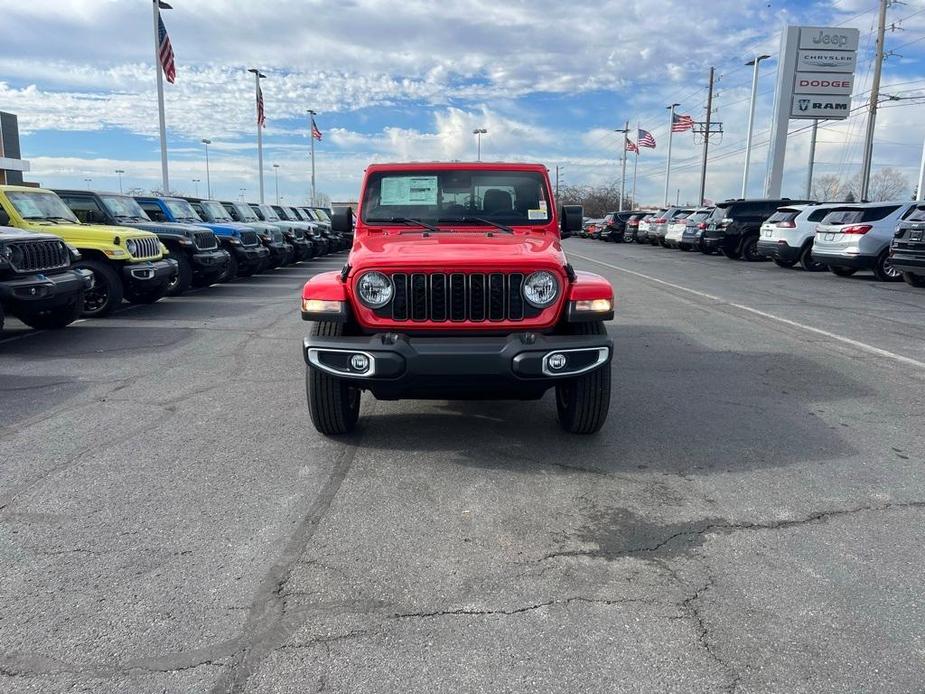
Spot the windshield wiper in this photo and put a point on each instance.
(408, 220)
(497, 225)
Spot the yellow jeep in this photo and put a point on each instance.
(126, 263)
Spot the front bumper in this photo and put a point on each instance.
(39, 292)
(249, 257)
(148, 275)
(208, 263)
(278, 252)
(510, 367)
(778, 250)
(856, 262)
(904, 261)
(303, 248)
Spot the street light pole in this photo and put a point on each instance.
(276, 176)
(671, 109)
(88, 181)
(158, 5)
(478, 132)
(196, 182)
(257, 77)
(207, 142)
(120, 172)
(756, 61)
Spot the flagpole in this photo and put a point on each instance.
(311, 136)
(625, 130)
(165, 182)
(635, 164)
(257, 77)
(668, 164)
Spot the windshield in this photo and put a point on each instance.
(782, 216)
(245, 212)
(40, 205)
(181, 209)
(698, 216)
(215, 211)
(124, 207)
(269, 214)
(856, 215)
(322, 214)
(294, 214)
(508, 197)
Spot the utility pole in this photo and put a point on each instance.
(874, 98)
(707, 128)
(919, 194)
(625, 130)
(670, 132)
(812, 157)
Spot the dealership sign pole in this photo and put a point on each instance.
(815, 78)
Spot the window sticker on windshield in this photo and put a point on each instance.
(409, 190)
(536, 214)
(543, 205)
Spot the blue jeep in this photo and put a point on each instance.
(247, 254)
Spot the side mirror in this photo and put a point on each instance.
(4, 218)
(342, 220)
(570, 219)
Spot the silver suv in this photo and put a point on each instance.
(659, 226)
(855, 237)
(786, 237)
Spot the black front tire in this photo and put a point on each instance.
(582, 403)
(334, 405)
(107, 291)
(808, 263)
(786, 264)
(884, 270)
(231, 269)
(842, 271)
(184, 279)
(914, 280)
(732, 255)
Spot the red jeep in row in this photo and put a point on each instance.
(457, 287)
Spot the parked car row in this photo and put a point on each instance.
(886, 238)
(71, 253)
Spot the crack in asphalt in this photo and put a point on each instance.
(527, 608)
(703, 529)
(703, 635)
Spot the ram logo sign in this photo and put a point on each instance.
(829, 107)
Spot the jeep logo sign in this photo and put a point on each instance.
(829, 107)
(822, 83)
(834, 38)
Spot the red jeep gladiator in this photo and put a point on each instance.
(457, 287)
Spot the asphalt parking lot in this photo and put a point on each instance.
(749, 519)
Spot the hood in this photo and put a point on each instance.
(266, 227)
(458, 249)
(14, 234)
(89, 232)
(180, 228)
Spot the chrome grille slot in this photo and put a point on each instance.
(205, 240)
(39, 256)
(147, 247)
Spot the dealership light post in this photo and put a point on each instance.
(756, 61)
(119, 173)
(259, 96)
(276, 176)
(88, 181)
(668, 162)
(196, 183)
(159, 5)
(919, 194)
(478, 132)
(205, 141)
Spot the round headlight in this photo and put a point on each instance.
(541, 289)
(375, 289)
(131, 246)
(6, 252)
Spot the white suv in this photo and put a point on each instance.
(855, 237)
(786, 237)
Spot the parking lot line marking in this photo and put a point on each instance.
(770, 316)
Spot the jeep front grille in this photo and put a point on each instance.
(205, 240)
(39, 256)
(458, 297)
(147, 247)
(248, 238)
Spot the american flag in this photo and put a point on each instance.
(681, 123)
(645, 139)
(315, 132)
(631, 146)
(261, 116)
(165, 51)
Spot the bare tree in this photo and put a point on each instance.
(826, 187)
(596, 201)
(885, 184)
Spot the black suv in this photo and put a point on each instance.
(615, 226)
(907, 251)
(735, 225)
(37, 283)
(200, 260)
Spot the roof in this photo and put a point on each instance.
(456, 166)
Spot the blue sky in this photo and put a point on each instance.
(548, 80)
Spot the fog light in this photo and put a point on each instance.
(359, 362)
(557, 361)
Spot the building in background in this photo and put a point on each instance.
(12, 165)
